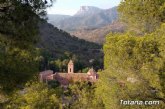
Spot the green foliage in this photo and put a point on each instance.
(35, 96)
(53, 83)
(19, 20)
(81, 95)
(60, 45)
(41, 96)
(142, 16)
(85, 70)
(19, 59)
(135, 69)
(18, 35)
(61, 64)
(17, 66)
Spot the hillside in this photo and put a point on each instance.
(53, 18)
(57, 42)
(86, 18)
(98, 35)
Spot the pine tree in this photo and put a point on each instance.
(142, 16)
(134, 70)
(18, 34)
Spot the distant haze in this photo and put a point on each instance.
(87, 17)
(70, 7)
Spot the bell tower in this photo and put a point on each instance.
(70, 67)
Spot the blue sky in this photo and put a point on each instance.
(70, 7)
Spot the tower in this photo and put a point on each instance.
(70, 67)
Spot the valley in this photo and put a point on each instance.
(56, 44)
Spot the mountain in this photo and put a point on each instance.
(53, 18)
(57, 42)
(87, 17)
(87, 10)
(98, 35)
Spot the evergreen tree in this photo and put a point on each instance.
(19, 20)
(142, 16)
(35, 96)
(18, 35)
(134, 70)
(81, 95)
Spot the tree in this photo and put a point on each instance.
(19, 20)
(134, 70)
(18, 34)
(142, 16)
(16, 68)
(82, 95)
(35, 96)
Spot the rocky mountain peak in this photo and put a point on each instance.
(85, 10)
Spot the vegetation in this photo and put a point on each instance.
(98, 35)
(142, 16)
(141, 72)
(17, 66)
(36, 96)
(82, 95)
(20, 24)
(59, 46)
(18, 34)
(134, 62)
(40, 96)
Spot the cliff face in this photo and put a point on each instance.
(87, 10)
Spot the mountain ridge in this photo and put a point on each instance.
(97, 35)
(83, 19)
(87, 10)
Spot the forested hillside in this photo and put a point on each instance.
(59, 45)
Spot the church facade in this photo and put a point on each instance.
(70, 76)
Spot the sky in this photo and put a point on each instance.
(70, 7)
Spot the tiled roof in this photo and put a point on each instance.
(47, 72)
(66, 78)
